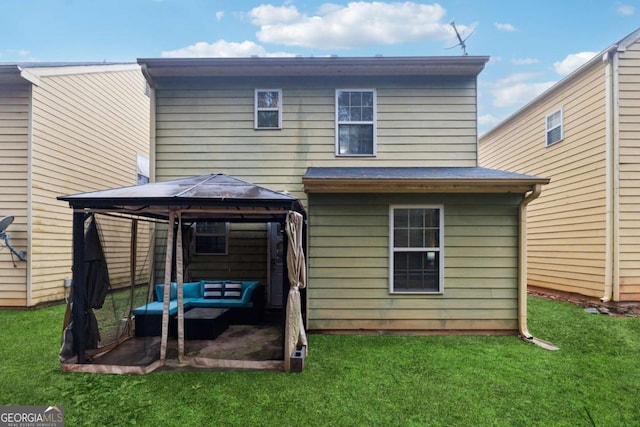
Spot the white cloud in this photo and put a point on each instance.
(504, 27)
(517, 78)
(267, 14)
(572, 61)
(21, 55)
(517, 94)
(222, 49)
(219, 15)
(525, 61)
(356, 24)
(486, 122)
(625, 10)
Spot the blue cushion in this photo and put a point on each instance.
(173, 293)
(192, 290)
(155, 308)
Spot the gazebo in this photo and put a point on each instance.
(215, 197)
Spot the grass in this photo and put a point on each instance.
(594, 380)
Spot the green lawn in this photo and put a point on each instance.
(356, 380)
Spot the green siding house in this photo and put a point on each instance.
(406, 233)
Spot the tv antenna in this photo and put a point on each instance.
(461, 41)
(4, 223)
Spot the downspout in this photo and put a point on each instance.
(523, 330)
(29, 272)
(610, 167)
(616, 181)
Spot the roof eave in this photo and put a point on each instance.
(332, 66)
(349, 185)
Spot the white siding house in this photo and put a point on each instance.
(583, 133)
(64, 128)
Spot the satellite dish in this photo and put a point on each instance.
(5, 222)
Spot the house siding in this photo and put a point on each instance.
(246, 257)
(566, 225)
(349, 265)
(206, 125)
(14, 154)
(629, 137)
(87, 129)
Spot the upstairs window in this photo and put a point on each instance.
(554, 127)
(355, 122)
(416, 249)
(268, 109)
(143, 169)
(211, 238)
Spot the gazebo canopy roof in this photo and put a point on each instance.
(214, 197)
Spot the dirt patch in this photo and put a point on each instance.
(609, 308)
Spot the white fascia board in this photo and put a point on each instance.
(33, 74)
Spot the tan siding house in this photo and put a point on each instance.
(582, 133)
(63, 129)
(405, 232)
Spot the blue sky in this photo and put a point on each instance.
(532, 44)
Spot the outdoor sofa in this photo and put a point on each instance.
(244, 299)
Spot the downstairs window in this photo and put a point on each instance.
(416, 252)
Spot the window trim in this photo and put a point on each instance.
(440, 249)
(547, 129)
(196, 234)
(257, 109)
(374, 122)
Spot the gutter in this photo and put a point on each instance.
(523, 330)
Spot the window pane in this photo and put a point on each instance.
(367, 99)
(416, 271)
(554, 135)
(343, 114)
(401, 217)
(268, 99)
(142, 179)
(211, 227)
(356, 114)
(210, 245)
(432, 238)
(416, 238)
(401, 238)
(355, 99)
(553, 120)
(432, 218)
(355, 139)
(343, 99)
(268, 119)
(367, 114)
(416, 218)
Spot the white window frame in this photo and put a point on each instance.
(257, 109)
(373, 123)
(225, 235)
(549, 129)
(439, 249)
